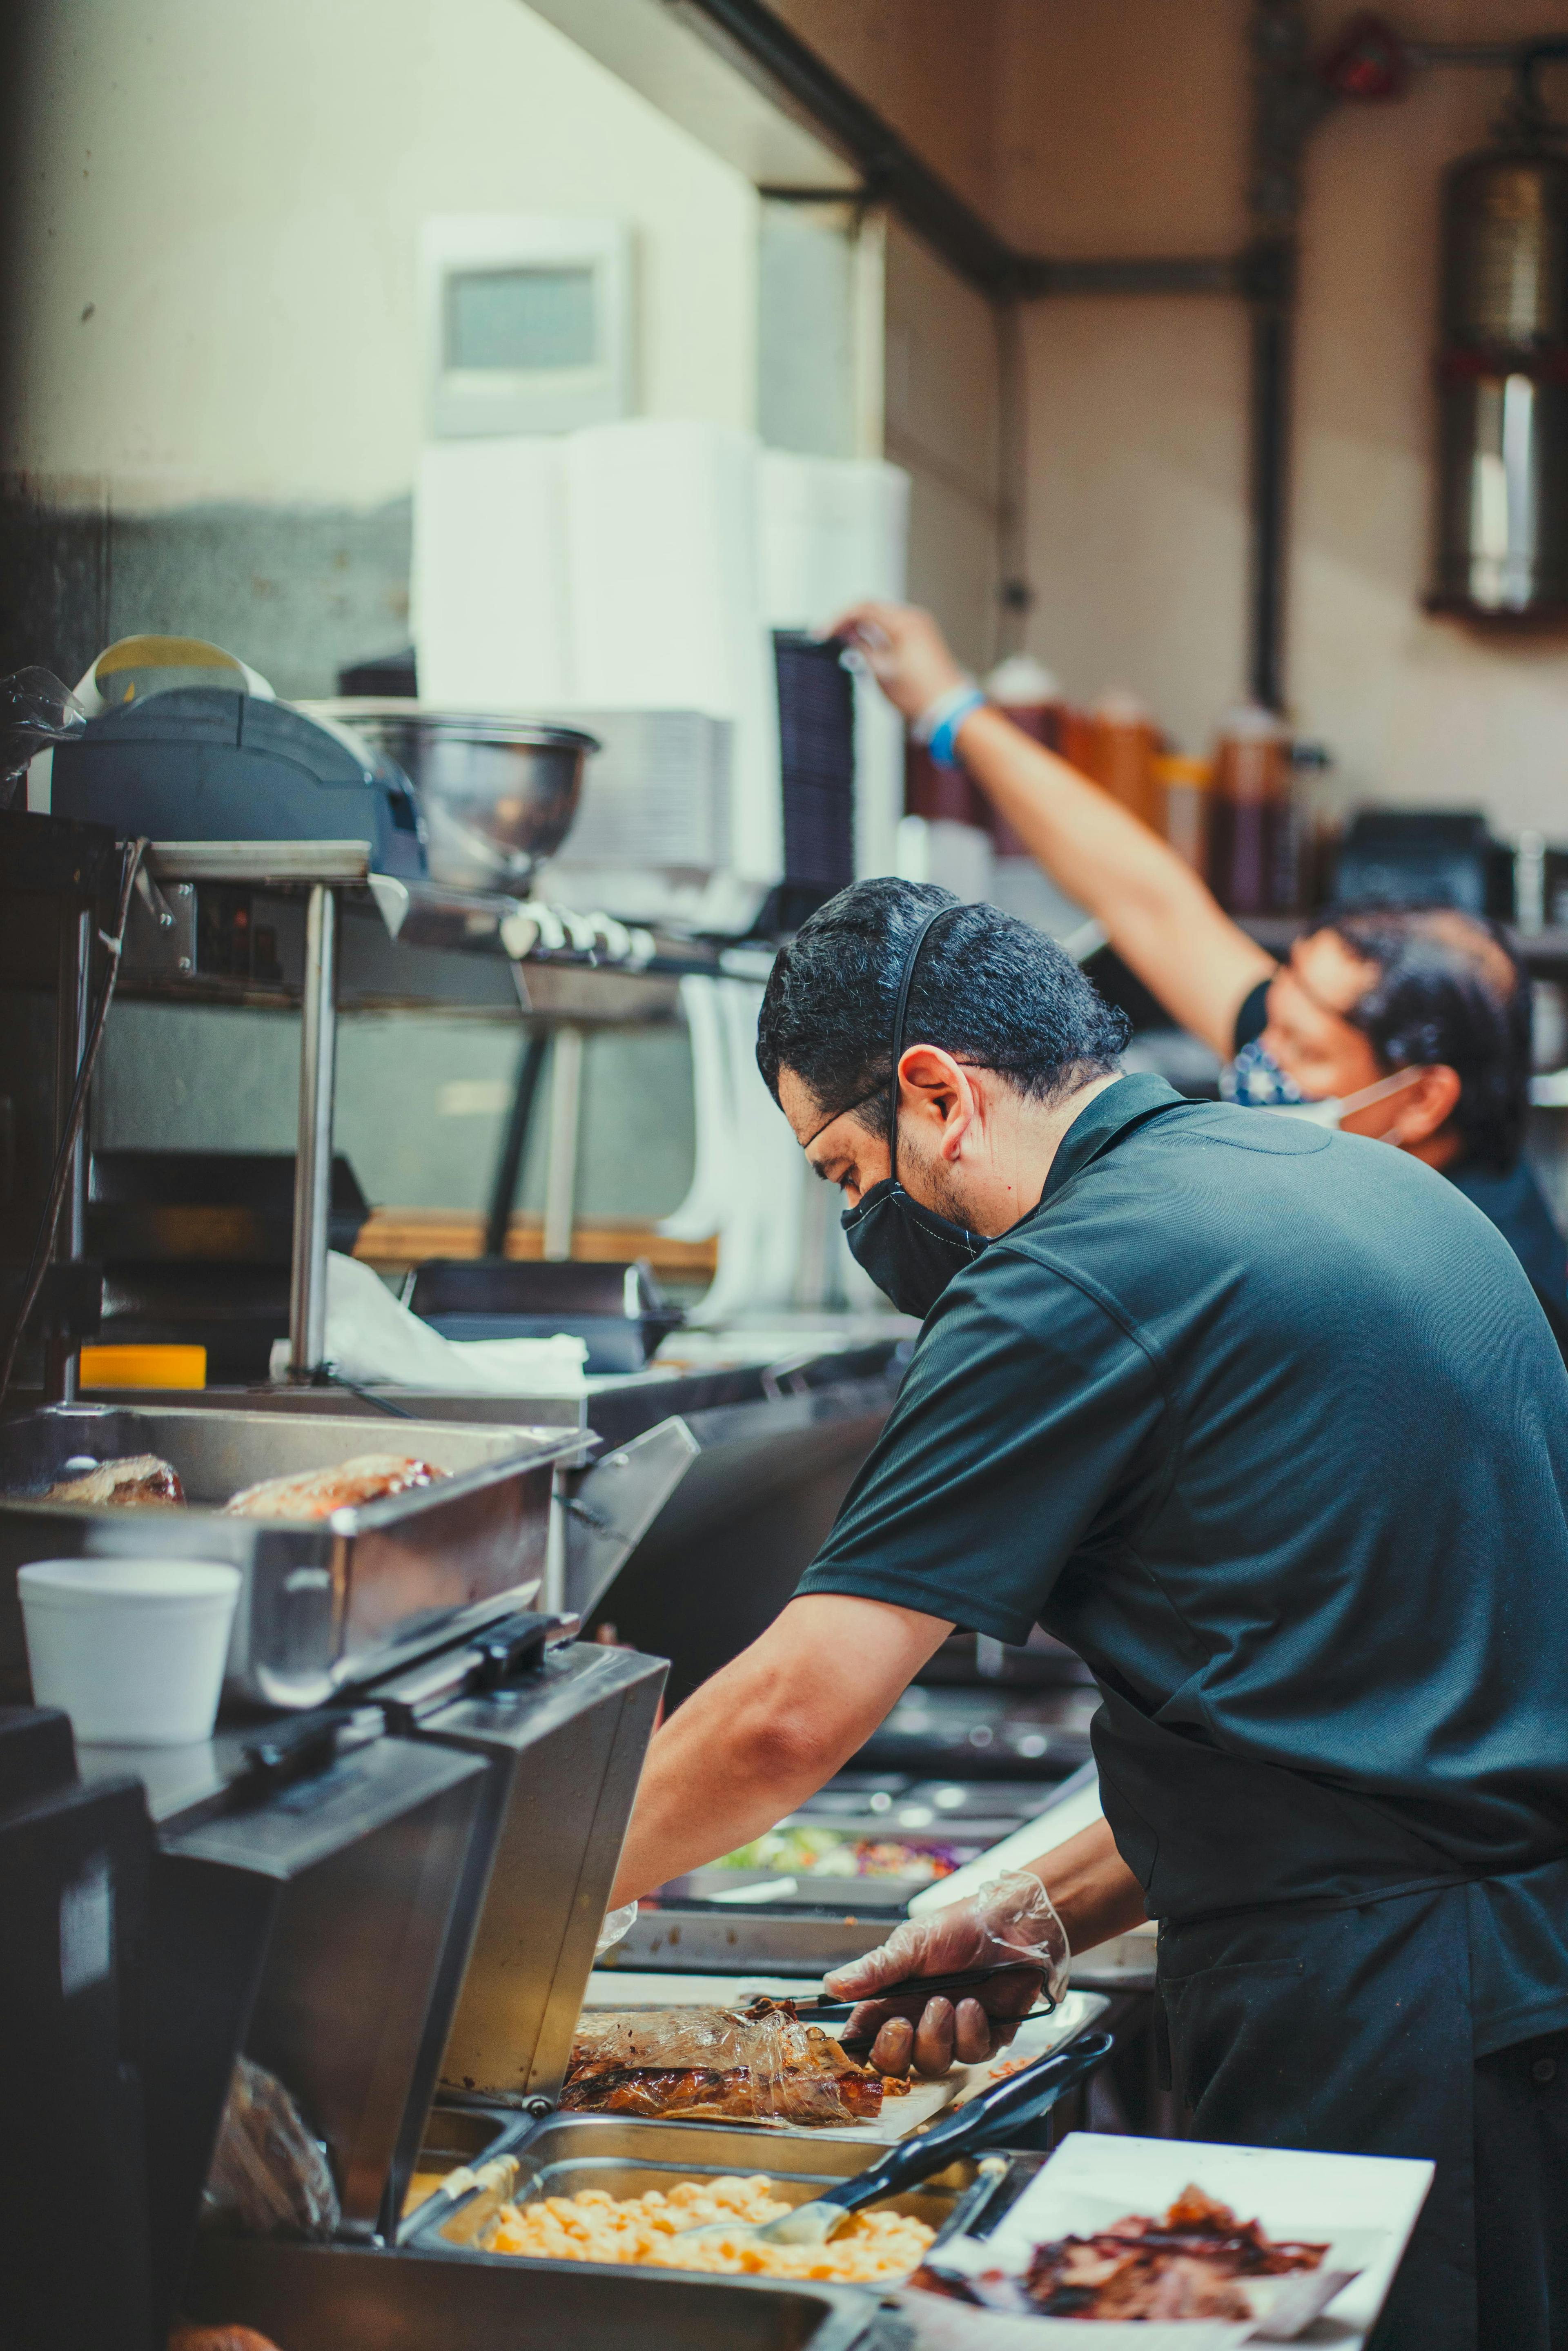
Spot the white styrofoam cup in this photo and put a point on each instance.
(131, 1649)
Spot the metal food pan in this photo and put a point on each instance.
(803, 1887)
(341, 2298)
(565, 2154)
(323, 1601)
(454, 2137)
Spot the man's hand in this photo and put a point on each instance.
(1009, 1918)
(1092, 1894)
(904, 651)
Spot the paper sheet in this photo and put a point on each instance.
(1363, 2206)
(373, 1340)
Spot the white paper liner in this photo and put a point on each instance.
(1283, 2306)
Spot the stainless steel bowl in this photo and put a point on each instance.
(498, 794)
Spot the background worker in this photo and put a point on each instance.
(1408, 1024)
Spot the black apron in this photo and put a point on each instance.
(1315, 1981)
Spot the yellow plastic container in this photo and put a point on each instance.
(143, 1367)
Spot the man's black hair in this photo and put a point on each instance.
(988, 989)
(1449, 988)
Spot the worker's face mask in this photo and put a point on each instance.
(1255, 1080)
(910, 1252)
(1334, 1109)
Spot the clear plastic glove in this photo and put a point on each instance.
(617, 1922)
(1009, 1918)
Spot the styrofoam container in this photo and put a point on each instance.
(131, 1649)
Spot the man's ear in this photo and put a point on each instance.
(1427, 1105)
(933, 1084)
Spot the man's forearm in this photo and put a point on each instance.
(1092, 1889)
(716, 1777)
(761, 1736)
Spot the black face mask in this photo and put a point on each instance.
(910, 1252)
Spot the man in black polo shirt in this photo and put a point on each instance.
(1263, 1421)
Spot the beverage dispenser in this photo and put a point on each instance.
(1502, 374)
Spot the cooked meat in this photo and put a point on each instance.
(1191, 2264)
(710, 2065)
(316, 1493)
(140, 1482)
(697, 2093)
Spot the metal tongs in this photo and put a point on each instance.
(969, 1980)
(1021, 2098)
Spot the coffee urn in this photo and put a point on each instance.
(1503, 376)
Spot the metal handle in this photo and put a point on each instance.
(306, 1743)
(967, 1979)
(514, 1645)
(1022, 2096)
(518, 1645)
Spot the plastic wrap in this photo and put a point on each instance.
(36, 710)
(268, 2176)
(709, 2064)
(617, 1925)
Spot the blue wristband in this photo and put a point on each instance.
(942, 741)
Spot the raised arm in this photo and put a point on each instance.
(1160, 918)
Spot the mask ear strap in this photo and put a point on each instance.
(905, 983)
(1381, 1088)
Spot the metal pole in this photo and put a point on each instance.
(560, 1173)
(62, 1361)
(313, 1157)
(1269, 463)
(509, 1166)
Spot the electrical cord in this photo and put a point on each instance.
(44, 1240)
(328, 1375)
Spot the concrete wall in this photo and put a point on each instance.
(1123, 130)
(942, 420)
(214, 332)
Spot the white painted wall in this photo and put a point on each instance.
(220, 202)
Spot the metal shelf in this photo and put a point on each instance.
(412, 944)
